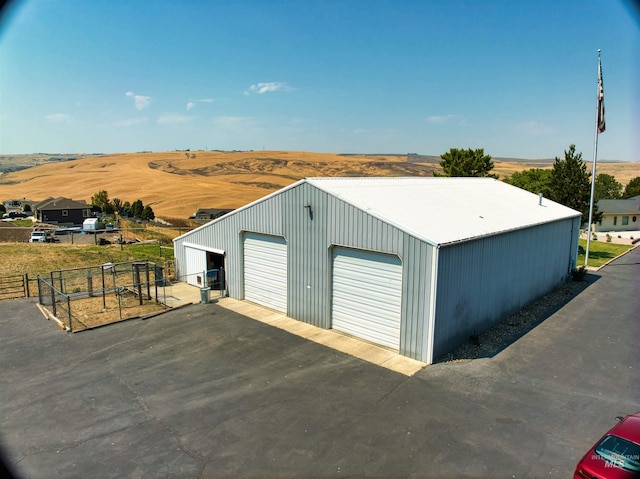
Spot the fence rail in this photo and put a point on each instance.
(16, 286)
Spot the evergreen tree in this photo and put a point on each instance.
(137, 208)
(147, 213)
(632, 189)
(466, 163)
(607, 188)
(571, 184)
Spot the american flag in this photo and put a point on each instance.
(601, 123)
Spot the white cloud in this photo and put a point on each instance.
(193, 103)
(440, 119)
(130, 121)
(261, 88)
(140, 101)
(534, 128)
(57, 117)
(173, 118)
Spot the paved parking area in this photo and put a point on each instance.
(206, 392)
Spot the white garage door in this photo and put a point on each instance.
(265, 270)
(196, 266)
(367, 295)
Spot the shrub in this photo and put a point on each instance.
(578, 273)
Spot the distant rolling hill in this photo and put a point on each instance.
(177, 183)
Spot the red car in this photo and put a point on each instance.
(616, 455)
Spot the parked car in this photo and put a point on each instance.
(15, 214)
(616, 455)
(38, 237)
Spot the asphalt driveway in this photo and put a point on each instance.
(205, 392)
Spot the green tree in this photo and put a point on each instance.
(466, 163)
(632, 189)
(26, 208)
(126, 210)
(535, 180)
(607, 188)
(147, 213)
(571, 184)
(101, 201)
(137, 207)
(117, 205)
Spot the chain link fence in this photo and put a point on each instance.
(89, 297)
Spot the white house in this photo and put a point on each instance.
(619, 215)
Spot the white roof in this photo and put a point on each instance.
(445, 210)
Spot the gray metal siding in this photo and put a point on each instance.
(306, 232)
(310, 242)
(479, 282)
(352, 227)
(416, 285)
(226, 234)
(482, 282)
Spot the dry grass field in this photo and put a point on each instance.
(177, 183)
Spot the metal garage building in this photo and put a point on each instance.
(414, 264)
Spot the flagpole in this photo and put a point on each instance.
(595, 156)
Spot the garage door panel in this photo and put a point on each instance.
(265, 270)
(378, 332)
(367, 295)
(367, 311)
(366, 306)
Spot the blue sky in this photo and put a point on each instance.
(517, 78)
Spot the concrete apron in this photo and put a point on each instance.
(180, 294)
(364, 350)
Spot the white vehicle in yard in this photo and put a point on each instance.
(38, 237)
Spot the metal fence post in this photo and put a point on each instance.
(69, 312)
(39, 292)
(104, 298)
(26, 285)
(90, 282)
(53, 300)
(148, 279)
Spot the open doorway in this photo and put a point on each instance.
(216, 271)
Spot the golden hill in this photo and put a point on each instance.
(177, 183)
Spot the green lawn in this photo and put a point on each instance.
(600, 252)
(24, 223)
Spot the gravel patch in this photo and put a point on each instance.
(505, 333)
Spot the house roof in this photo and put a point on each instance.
(212, 211)
(446, 210)
(629, 206)
(61, 203)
